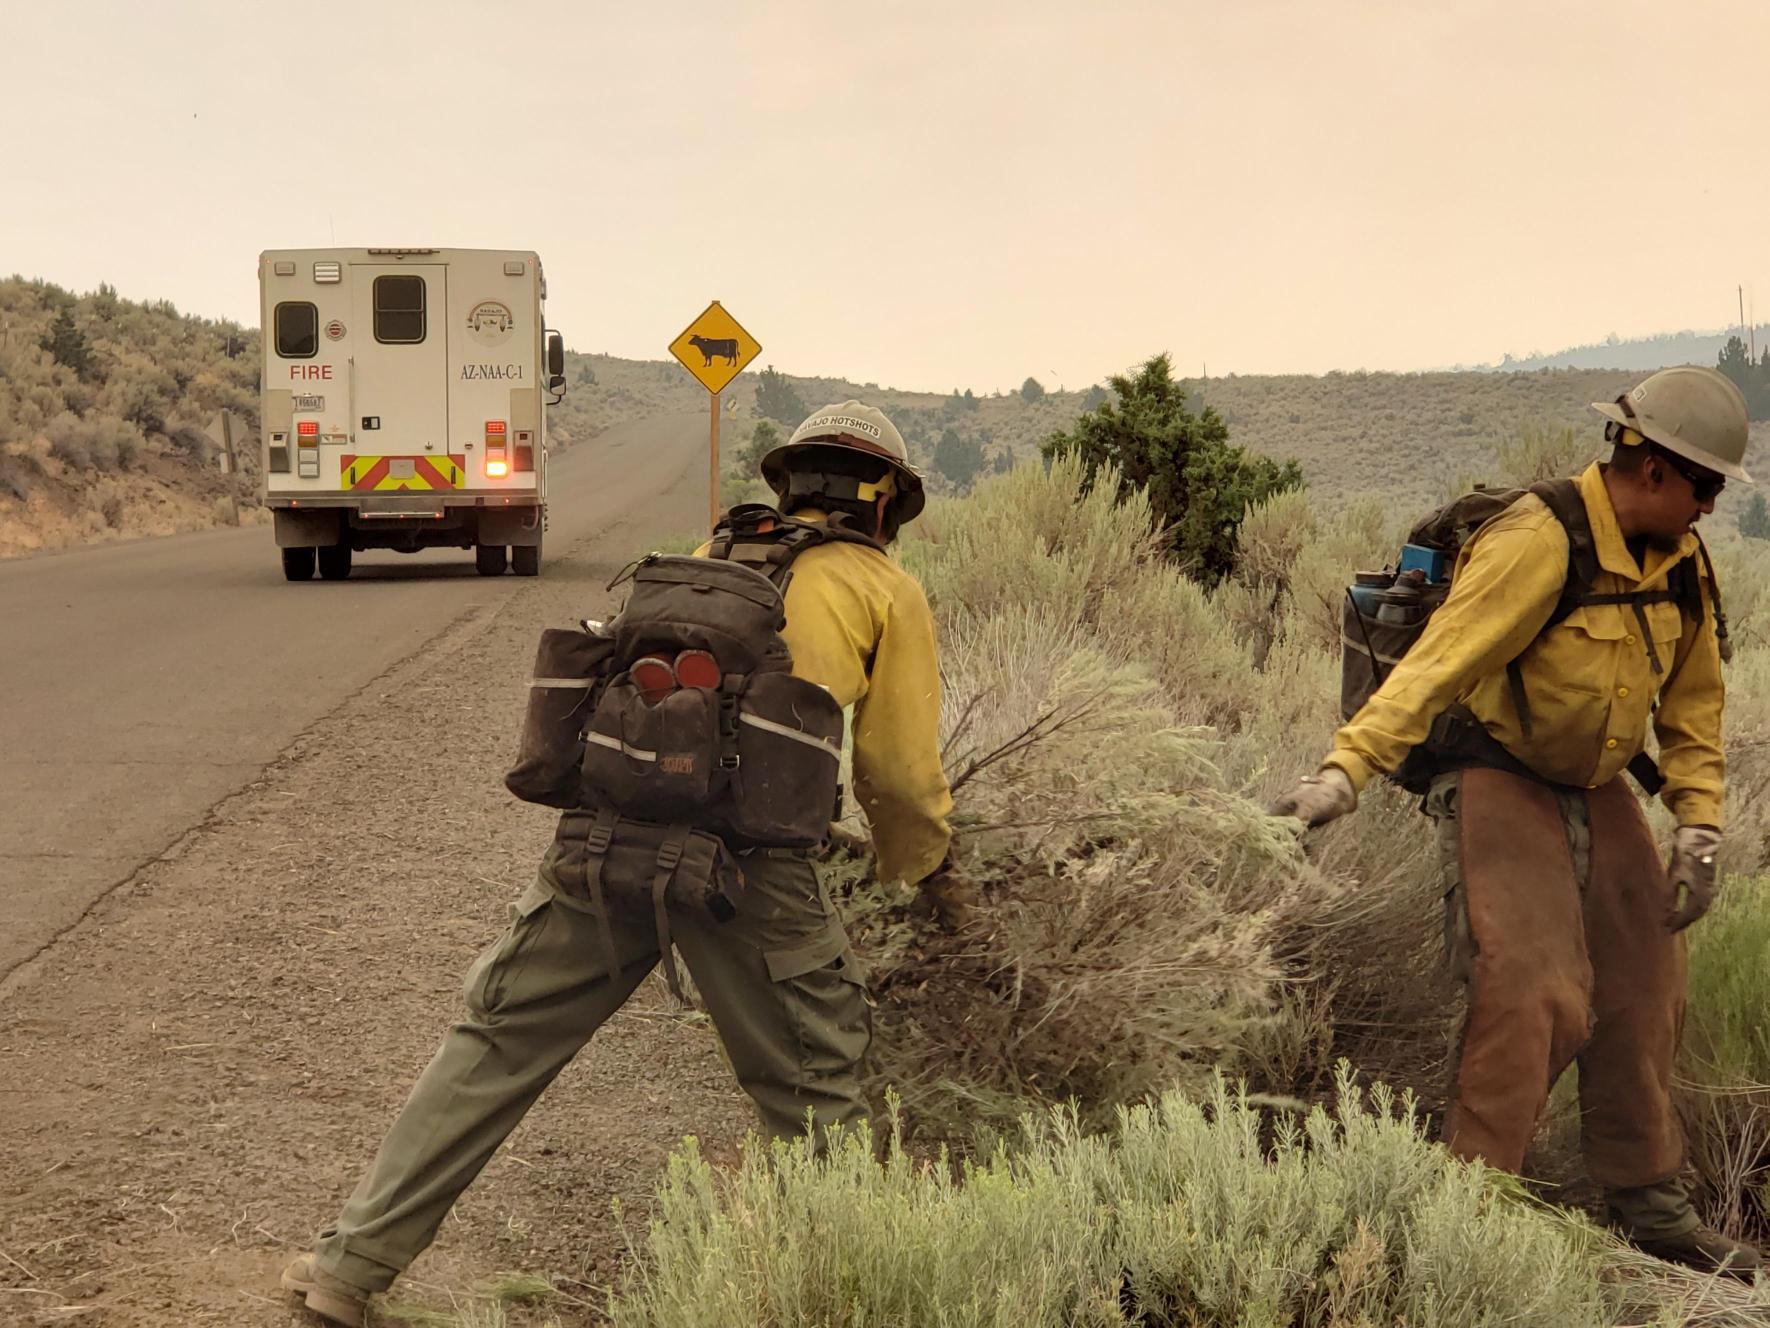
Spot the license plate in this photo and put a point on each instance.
(310, 403)
(401, 468)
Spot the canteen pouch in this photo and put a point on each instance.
(616, 868)
(570, 668)
(656, 762)
(599, 850)
(1370, 647)
(788, 775)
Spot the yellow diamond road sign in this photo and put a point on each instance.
(714, 348)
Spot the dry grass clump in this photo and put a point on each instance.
(1724, 1068)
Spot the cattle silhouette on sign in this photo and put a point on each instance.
(725, 348)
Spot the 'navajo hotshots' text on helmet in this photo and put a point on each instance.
(837, 438)
(1693, 411)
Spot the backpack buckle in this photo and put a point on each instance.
(669, 855)
(602, 834)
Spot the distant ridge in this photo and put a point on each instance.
(1657, 352)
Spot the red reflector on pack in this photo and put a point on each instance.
(697, 668)
(654, 677)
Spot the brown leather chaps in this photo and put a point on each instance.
(1570, 959)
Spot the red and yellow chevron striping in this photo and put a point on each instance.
(382, 473)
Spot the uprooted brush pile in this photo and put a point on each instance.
(1141, 909)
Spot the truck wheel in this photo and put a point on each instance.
(297, 564)
(525, 559)
(335, 562)
(489, 559)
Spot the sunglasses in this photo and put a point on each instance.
(1704, 484)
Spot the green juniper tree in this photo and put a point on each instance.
(959, 457)
(1198, 484)
(66, 344)
(1754, 522)
(776, 399)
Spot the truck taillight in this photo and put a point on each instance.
(497, 452)
(307, 449)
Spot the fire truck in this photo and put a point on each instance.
(404, 404)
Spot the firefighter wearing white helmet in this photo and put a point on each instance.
(859, 624)
(1580, 621)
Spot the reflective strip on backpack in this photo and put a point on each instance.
(616, 745)
(1357, 647)
(583, 684)
(809, 739)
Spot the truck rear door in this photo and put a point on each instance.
(399, 384)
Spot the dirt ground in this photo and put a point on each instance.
(192, 1079)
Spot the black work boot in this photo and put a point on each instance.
(1705, 1250)
(1660, 1220)
(331, 1299)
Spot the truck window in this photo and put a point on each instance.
(298, 330)
(399, 310)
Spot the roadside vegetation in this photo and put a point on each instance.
(1190, 1071)
(104, 410)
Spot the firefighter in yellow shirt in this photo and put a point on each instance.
(778, 978)
(1561, 916)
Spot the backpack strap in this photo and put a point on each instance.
(1683, 588)
(1693, 608)
(1562, 498)
(758, 536)
(669, 855)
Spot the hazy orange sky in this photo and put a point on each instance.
(930, 195)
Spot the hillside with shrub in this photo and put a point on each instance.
(106, 407)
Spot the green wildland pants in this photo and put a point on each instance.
(783, 989)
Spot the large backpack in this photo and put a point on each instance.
(677, 731)
(753, 757)
(1386, 612)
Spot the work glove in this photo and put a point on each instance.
(1692, 872)
(1318, 798)
(954, 897)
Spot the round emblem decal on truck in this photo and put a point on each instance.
(335, 330)
(489, 323)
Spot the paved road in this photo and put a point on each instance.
(145, 682)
